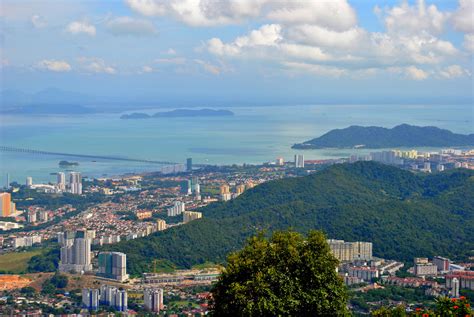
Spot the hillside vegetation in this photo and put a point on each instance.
(403, 214)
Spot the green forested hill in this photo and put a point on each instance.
(403, 135)
(403, 214)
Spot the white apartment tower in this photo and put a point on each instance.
(153, 299)
(75, 252)
(299, 160)
(61, 181)
(455, 288)
(75, 183)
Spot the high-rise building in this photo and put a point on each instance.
(160, 225)
(186, 187)
(113, 265)
(5, 204)
(195, 187)
(189, 164)
(111, 296)
(224, 191)
(280, 161)
(351, 251)
(61, 181)
(90, 298)
(121, 300)
(239, 189)
(43, 216)
(191, 215)
(299, 160)
(427, 167)
(75, 183)
(31, 216)
(178, 208)
(29, 181)
(153, 299)
(75, 252)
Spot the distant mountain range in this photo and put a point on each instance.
(405, 215)
(403, 135)
(180, 113)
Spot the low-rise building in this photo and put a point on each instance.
(365, 273)
(425, 269)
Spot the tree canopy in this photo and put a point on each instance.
(286, 275)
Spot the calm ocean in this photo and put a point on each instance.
(253, 135)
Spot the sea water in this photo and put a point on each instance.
(252, 135)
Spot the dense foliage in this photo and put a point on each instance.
(52, 285)
(403, 214)
(44, 262)
(403, 135)
(362, 301)
(455, 307)
(27, 197)
(286, 275)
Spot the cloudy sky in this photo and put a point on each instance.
(243, 50)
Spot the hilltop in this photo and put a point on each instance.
(403, 135)
(403, 214)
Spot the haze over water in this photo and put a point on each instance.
(252, 135)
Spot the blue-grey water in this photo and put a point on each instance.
(253, 135)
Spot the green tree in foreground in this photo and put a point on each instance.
(286, 275)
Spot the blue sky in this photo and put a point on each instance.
(262, 51)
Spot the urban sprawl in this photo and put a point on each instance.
(135, 206)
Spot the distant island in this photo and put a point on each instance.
(135, 115)
(67, 163)
(403, 135)
(48, 109)
(180, 113)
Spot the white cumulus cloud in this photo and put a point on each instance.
(469, 42)
(335, 14)
(38, 21)
(463, 17)
(324, 37)
(266, 35)
(416, 73)
(54, 65)
(199, 12)
(453, 71)
(78, 27)
(413, 19)
(96, 66)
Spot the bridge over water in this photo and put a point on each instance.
(88, 156)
